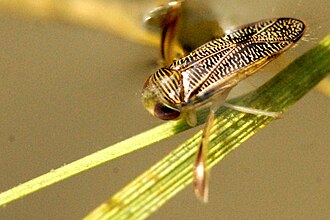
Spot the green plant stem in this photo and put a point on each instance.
(174, 172)
(109, 153)
(153, 188)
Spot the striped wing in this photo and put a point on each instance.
(235, 56)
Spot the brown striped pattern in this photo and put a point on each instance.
(168, 84)
(224, 61)
(235, 56)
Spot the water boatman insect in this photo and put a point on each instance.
(204, 77)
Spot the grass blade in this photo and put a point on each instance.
(169, 176)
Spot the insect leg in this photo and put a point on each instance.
(200, 174)
(191, 118)
(253, 111)
(169, 31)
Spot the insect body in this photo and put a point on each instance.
(207, 74)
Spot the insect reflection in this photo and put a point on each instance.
(204, 77)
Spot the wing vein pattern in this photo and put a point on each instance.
(236, 55)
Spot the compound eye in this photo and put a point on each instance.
(165, 113)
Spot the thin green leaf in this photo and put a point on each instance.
(109, 153)
(153, 188)
(234, 127)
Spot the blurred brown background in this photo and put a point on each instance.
(67, 91)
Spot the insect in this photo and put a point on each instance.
(204, 78)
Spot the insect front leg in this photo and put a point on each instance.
(191, 118)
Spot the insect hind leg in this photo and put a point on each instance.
(253, 110)
(200, 165)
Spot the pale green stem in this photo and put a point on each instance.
(153, 188)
